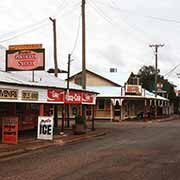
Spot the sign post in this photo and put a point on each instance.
(45, 127)
(10, 130)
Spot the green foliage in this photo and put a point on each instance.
(147, 78)
(80, 119)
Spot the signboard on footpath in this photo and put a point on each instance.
(45, 127)
(10, 130)
(25, 60)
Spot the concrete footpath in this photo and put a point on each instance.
(30, 144)
(171, 118)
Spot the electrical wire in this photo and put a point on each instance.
(77, 36)
(173, 69)
(20, 34)
(133, 27)
(34, 27)
(138, 14)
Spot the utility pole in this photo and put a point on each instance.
(83, 45)
(55, 70)
(55, 47)
(68, 74)
(156, 46)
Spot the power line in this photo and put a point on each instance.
(20, 34)
(138, 14)
(173, 69)
(38, 24)
(77, 36)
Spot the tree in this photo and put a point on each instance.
(147, 78)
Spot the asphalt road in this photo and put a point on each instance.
(131, 151)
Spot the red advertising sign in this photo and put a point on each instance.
(88, 98)
(10, 130)
(55, 95)
(135, 89)
(25, 60)
(71, 97)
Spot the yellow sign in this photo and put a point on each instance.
(8, 93)
(25, 46)
(30, 95)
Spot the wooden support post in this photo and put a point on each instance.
(41, 110)
(93, 108)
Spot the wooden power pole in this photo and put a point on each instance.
(83, 45)
(156, 46)
(55, 47)
(55, 69)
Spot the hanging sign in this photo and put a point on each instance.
(45, 127)
(10, 130)
(25, 60)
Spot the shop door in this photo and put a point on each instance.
(117, 111)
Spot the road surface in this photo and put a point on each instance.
(131, 151)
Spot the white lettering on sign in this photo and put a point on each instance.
(45, 127)
(74, 97)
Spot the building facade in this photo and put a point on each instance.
(115, 102)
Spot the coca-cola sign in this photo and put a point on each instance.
(70, 97)
(55, 95)
(25, 60)
(88, 98)
(73, 97)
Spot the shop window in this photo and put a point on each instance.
(74, 110)
(101, 104)
(88, 110)
(78, 80)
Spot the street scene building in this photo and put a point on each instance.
(89, 90)
(121, 102)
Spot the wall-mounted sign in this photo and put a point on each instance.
(30, 95)
(133, 89)
(45, 127)
(25, 60)
(25, 46)
(8, 93)
(71, 97)
(10, 130)
(55, 95)
(88, 98)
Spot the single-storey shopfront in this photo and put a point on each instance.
(120, 99)
(25, 101)
(114, 104)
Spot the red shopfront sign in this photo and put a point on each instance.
(10, 130)
(55, 95)
(71, 97)
(88, 98)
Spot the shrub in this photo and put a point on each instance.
(80, 119)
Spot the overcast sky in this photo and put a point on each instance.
(118, 32)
